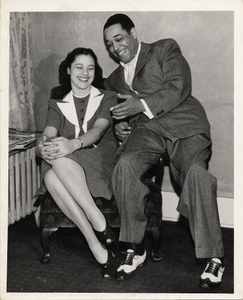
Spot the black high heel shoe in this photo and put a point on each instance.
(109, 268)
(107, 236)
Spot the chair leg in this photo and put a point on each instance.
(45, 234)
(156, 241)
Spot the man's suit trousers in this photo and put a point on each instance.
(188, 164)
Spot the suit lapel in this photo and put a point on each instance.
(143, 57)
(120, 79)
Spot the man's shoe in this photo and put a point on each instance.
(212, 275)
(129, 266)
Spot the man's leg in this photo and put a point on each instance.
(198, 197)
(141, 151)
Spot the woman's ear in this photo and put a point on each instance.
(68, 71)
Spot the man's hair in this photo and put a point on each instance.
(126, 23)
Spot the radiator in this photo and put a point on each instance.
(24, 179)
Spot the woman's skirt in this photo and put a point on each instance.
(97, 163)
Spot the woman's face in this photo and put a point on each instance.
(82, 73)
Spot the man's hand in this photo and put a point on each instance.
(130, 107)
(122, 130)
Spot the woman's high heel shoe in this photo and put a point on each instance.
(107, 236)
(109, 268)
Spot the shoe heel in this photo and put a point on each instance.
(113, 247)
(109, 268)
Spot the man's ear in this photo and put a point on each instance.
(133, 33)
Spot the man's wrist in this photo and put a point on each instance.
(147, 110)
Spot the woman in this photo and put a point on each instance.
(77, 147)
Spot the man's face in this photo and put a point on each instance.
(120, 43)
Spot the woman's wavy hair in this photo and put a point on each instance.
(64, 77)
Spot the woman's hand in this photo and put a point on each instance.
(44, 149)
(62, 146)
(122, 130)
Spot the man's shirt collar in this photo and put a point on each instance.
(133, 61)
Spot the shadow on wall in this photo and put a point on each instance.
(45, 78)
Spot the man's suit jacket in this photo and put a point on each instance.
(163, 79)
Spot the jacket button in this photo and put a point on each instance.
(160, 112)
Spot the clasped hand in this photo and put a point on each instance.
(122, 130)
(53, 148)
(129, 107)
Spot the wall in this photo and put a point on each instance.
(206, 40)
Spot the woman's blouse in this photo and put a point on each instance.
(55, 116)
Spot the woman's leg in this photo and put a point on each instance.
(73, 211)
(72, 176)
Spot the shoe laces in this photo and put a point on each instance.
(213, 268)
(129, 258)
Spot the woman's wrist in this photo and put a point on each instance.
(37, 148)
(81, 142)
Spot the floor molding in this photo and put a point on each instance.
(225, 206)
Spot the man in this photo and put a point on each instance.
(158, 114)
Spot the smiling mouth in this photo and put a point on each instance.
(121, 52)
(83, 79)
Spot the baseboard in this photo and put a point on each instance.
(225, 206)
